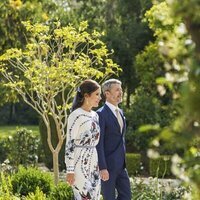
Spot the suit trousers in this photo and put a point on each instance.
(117, 187)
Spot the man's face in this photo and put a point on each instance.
(114, 95)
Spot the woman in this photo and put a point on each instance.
(82, 137)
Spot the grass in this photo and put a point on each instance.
(6, 131)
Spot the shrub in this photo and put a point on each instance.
(3, 150)
(6, 168)
(133, 163)
(27, 180)
(6, 188)
(38, 195)
(153, 189)
(61, 192)
(23, 147)
(160, 167)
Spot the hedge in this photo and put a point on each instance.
(133, 163)
(26, 181)
(160, 167)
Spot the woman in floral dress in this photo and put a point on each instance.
(82, 137)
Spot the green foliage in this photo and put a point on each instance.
(7, 96)
(38, 195)
(5, 186)
(78, 55)
(3, 150)
(146, 109)
(133, 163)
(10, 130)
(23, 148)
(160, 167)
(148, 69)
(176, 26)
(187, 9)
(55, 60)
(61, 192)
(12, 14)
(152, 189)
(126, 32)
(172, 41)
(92, 12)
(159, 18)
(151, 103)
(6, 168)
(27, 180)
(17, 113)
(13, 33)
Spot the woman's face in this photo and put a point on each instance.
(94, 98)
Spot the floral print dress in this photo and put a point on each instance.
(81, 158)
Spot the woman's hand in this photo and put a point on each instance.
(70, 178)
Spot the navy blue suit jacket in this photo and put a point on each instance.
(111, 147)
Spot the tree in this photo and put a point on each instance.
(126, 32)
(188, 12)
(53, 63)
(12, 13)
(147, 105)
(176, 26)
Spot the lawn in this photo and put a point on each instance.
(5, 131)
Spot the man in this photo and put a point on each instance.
(111, 147)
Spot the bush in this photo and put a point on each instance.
(160, 167)
(23, 147)
(3, 150)
(153, 189)
(61, 192)
(38, 195)
(133, 163)
(6, 188)
(6, 168)
(27, 180)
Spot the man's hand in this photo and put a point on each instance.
(104, 174)
(70, 178)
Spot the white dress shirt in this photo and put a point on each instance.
(112, 107)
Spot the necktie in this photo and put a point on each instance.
(119, 119)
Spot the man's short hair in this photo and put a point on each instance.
(106, 86)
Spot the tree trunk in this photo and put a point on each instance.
(47, 151)
(54, 148)
(128, 97)
(12, 115)
(55, 167)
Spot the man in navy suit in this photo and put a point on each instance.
(111, 148)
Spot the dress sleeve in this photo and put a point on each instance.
(72, 132)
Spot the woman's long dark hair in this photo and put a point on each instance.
(86, 87)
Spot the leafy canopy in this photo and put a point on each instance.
(56, 58)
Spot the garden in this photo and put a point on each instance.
(48, 47)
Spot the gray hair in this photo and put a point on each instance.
(106, 86)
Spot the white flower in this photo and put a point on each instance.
(152, 154)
